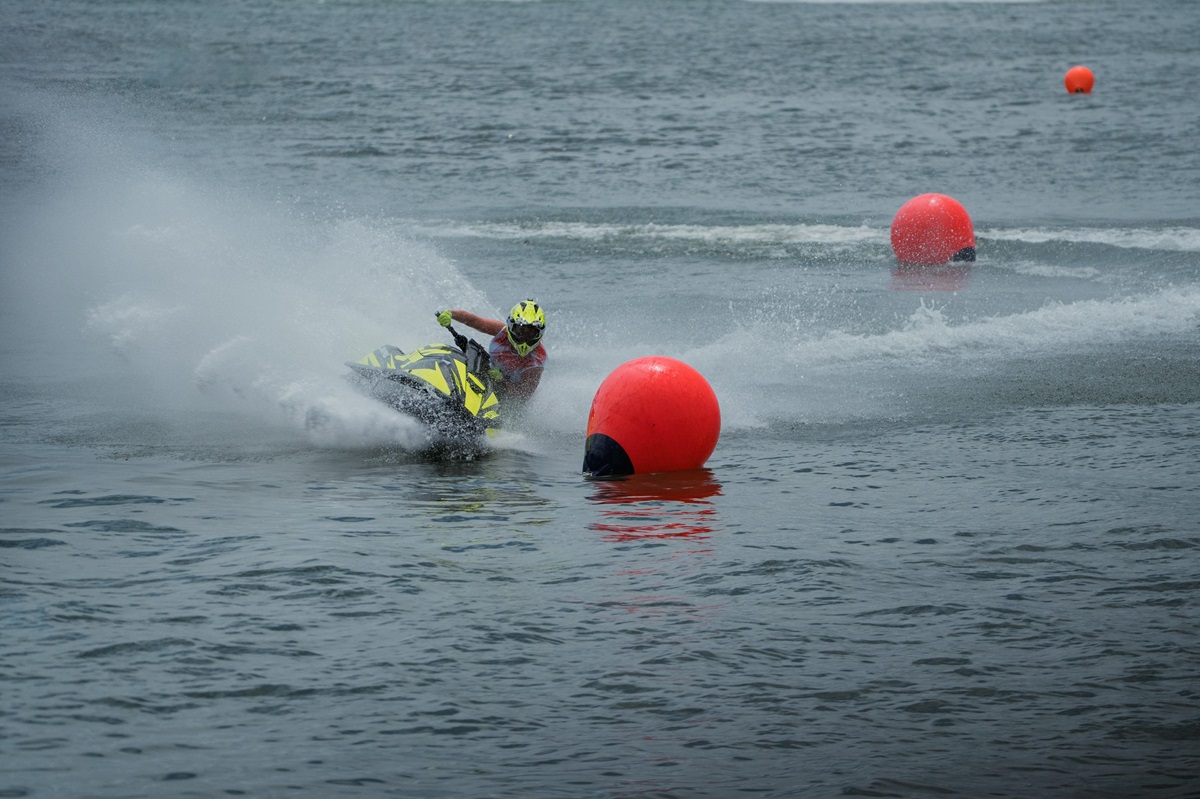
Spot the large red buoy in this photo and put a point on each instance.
(1079, 80)
(652, 414)
(933, 229)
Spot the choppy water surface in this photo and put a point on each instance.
(946, 545)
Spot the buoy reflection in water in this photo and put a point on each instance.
(672, 505)
(930, 277)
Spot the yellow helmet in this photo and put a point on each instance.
(526, 324)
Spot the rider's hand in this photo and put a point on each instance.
(444, 318)
(495, 374)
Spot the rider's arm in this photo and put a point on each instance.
(480, 323)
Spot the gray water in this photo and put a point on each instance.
(946, 544)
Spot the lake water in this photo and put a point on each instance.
(947, 544)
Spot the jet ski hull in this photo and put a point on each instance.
(444, 387)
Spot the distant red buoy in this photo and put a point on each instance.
(933, 229)
(1079, 80)
(652, 414)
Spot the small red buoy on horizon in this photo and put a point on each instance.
(933, 229)
(1079, 80)
(651, 414)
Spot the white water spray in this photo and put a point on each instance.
(170, 293)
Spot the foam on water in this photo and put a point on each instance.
(1055, 327)
(799, 233)
(1172, 239)
(833, 375)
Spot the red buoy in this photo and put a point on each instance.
(933, 229)
(1079, 80)
(652, 414)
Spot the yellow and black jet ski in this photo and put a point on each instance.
(447, 388)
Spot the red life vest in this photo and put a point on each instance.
(521, 374)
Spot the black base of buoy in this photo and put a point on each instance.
(965, 254)
(604, 457)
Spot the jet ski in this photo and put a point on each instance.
(445, 387)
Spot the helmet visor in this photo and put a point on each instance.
(525, 334)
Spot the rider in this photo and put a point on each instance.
(517, 354)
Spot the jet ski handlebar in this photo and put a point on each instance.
(478, 359)
(459, 339)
